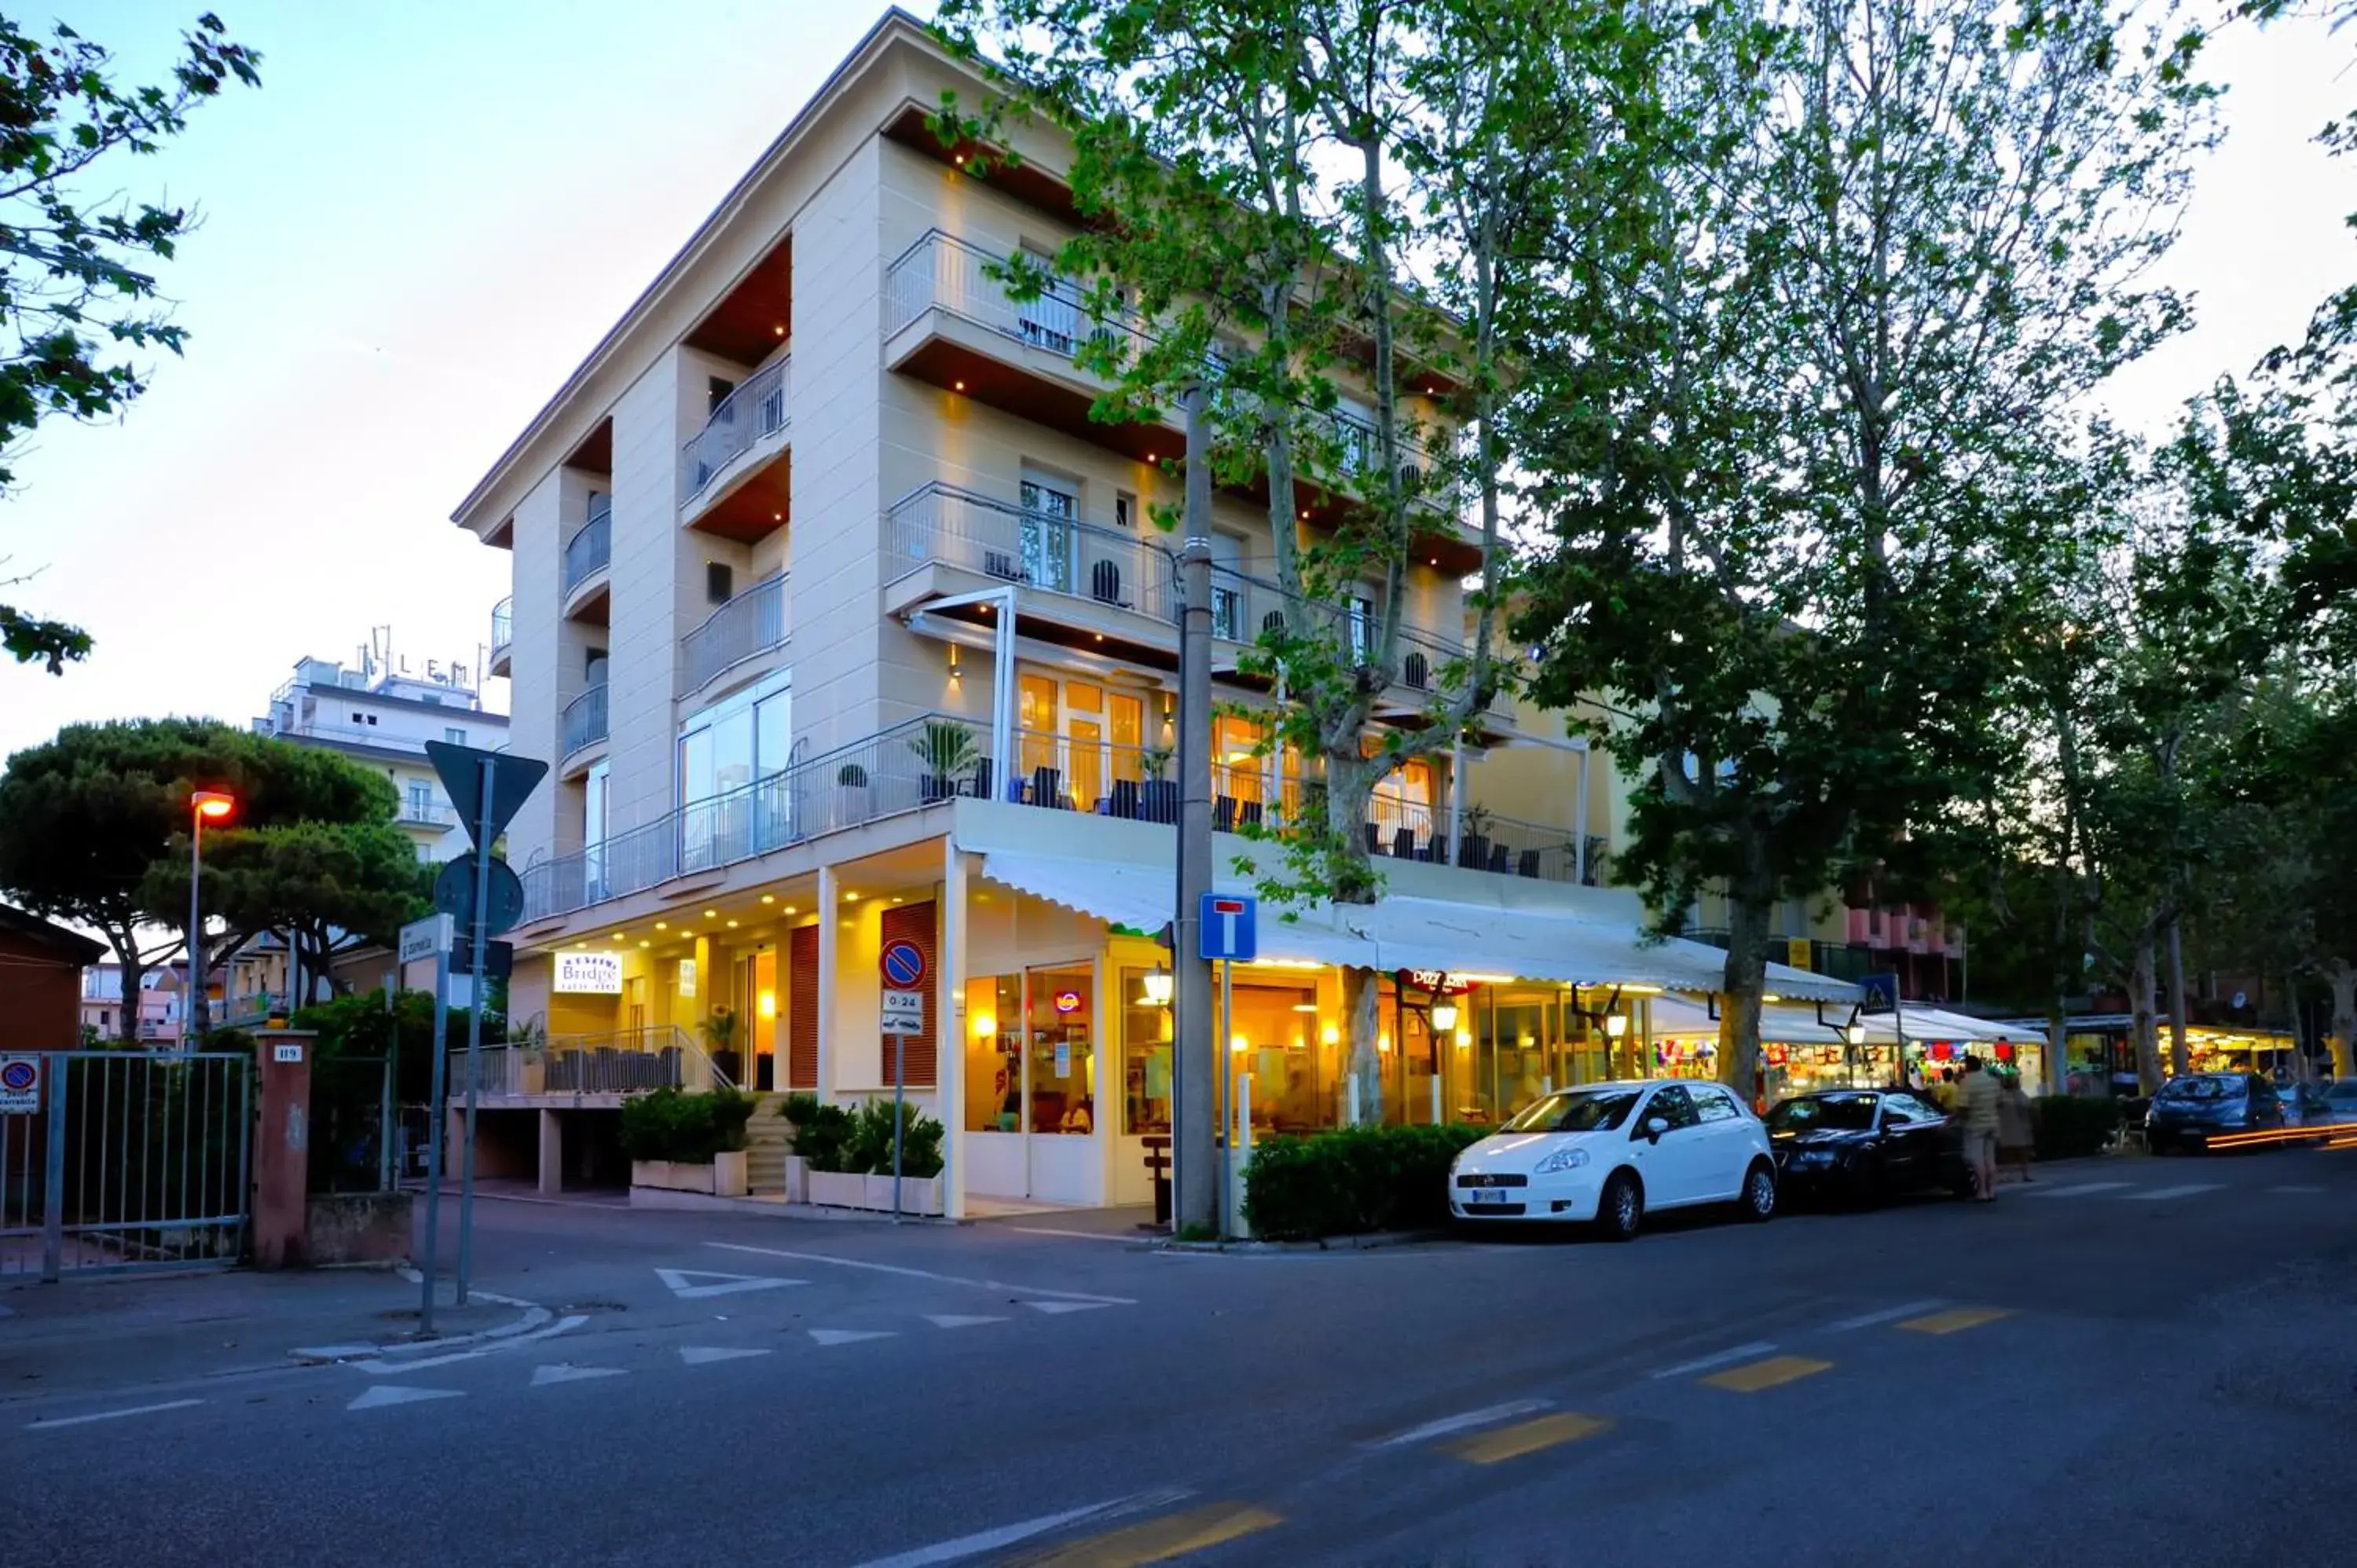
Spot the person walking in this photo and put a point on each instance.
(1976, 1110)
(2016, 1127)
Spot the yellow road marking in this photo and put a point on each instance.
(1526, 1437)
(1158, 1540)
(1766, 1374)
(1957, 1317)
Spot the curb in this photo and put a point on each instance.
(1372, 1241)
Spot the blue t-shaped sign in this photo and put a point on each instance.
(1230, 927)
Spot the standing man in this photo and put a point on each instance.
(1976, 1110)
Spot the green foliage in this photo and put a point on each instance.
(870, 1145)
(361, 1025)
(822, 1133)
(945, 748)
(77, 296)
(2073, 1125)
(685, 1128)
(1352, 1180)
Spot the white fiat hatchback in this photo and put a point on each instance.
(1610, 1152)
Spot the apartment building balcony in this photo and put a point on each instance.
(502, 635)
(426, 814)
(738, 639)
(735, 473)
(588, 554)
(584, 725)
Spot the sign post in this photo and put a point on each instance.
(422, 938)
(1882, 996)
(1229, 931)
(903, 1014)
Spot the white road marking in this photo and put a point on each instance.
(958, 1320)
(925, 1274)
(2158, 1194)
(1053, 1307)
(1072, 1235)
(567, 1372)
(1888, 1315)
(2296, 1186)
(109, 1415)
(1487, 1416)
(1006, 1535)
(379, 1367)
(677, 1279)
(533, 1318)
(700, 1355)
(847, 1335)
(392, 1393)
(2084, 1189)
(1740, 1353)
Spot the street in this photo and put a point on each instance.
(2133, 1360)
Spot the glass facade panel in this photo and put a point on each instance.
(994, 1054)
(1061, 1058)
(1144, 1058)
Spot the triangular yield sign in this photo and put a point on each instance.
(847, 1335)
(384, 1395)
(460, 769)
(678, 1280)
(958, 1320)
(565, 1372)
(1056, 1306)
(699, 1355)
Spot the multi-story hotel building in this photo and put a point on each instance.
(841, 623)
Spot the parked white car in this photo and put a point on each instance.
(1608, 1152)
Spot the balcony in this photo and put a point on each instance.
(426, 814)
(751, 624)
(1104, 576)
(587, 554)
(585, 720)
(744, 432)
(503, 634)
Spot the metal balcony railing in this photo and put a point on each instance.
(590, 550)
(430, 813)
(585, 719)
(745, 627)
(754, 412)
(1110, 566)
(626, 1061)
(503, 626)
(942, 272)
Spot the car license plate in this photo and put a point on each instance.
(1487, 1194)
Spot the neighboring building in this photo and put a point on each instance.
(381, 714)
(161, 1005)
(42, 969)
(842, 625)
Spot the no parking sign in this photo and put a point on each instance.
(21, 1085)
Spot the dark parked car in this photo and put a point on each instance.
(1861, 1145)
(2191, 1111)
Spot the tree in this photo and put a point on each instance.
(1873, 250)
(327, 884)
(94, 825)
(78, 299)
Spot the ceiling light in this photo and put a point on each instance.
(644, 943)
(712, 914)
(790, 908)
(769, 898)
(619, 935)
(852, 898)
(896, 900)
(662, 925)
(959, 386)
(732, 925)
(779, 329)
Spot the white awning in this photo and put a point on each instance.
(1677, 1017)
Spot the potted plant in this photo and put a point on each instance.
(1473, 838)
(720, 1036)
(823, 1139)
(947, 752)
(1158, 795)
(681, 1141)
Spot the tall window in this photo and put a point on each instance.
(1050, 513)
(722, 751)
(421, 800)
(454, 736)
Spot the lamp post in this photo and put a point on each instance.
(1854, 1033)
(204, 805)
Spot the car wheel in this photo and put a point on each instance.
(1621, 1209)
(1760, 1192)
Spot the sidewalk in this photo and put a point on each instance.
(131, 1332)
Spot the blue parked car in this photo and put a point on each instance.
(2191, 1111)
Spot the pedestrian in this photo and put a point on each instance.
(2016, 1127)
(1943, 1093)
(1977, 1109)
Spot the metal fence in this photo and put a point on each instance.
(351, 1133)
(625, 1061)
(752, 412)
(134, 1159)
(746, 627)
(585, 718)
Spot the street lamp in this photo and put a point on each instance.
(1616, 1026)
(1854, 1034)
(204, 806)
(1444, 1016)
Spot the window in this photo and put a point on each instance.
(454, 736)
(1124, 509)
(1363, 628)
(1050, 510)
(719, 582)
(715, 393)
(1671, 1105)
(1144, 1058)
(1714, 1104)
(421, 800)
(1575, 1111)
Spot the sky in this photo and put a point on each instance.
(432, 211)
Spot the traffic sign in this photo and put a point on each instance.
(501, 957)
(904, 1013)
(424, 939)
(1229, 926)
(21, 1085)
(454, 893)
(1881, 994)
(903, 964)
(513, 778)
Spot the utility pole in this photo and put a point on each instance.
(1194, 1142)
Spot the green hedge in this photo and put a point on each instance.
(2070, 1126)
(834, 1139)
(1354, 1180)
(687, 1129)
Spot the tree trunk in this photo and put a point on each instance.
(2343, 981)
(1361, 997)
(2140, 1009)
(2177, 1062)
(1746, 978)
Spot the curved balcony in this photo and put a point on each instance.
(742, 631)
(743, 432)
(583, 724)
(588, 555)
(502, 635)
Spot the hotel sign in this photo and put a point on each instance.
(589, 973)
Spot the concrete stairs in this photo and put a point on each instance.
(768, 1139)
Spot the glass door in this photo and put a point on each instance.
(1049, 536)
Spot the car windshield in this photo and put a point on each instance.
(2342, 1088)
(2207, 1086)
(1846, 1112)
(1577, 1110)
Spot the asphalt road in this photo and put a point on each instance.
(2134, 1361)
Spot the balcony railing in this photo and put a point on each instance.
(942, 272)
(429, 814)
(503, 626)
(585, 719)
(1109, 567)
(754, 412)
(746, 627)
(590, 550)
(627, 1061)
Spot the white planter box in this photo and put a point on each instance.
(797, 1179)
(838, 1190)
(730, 1177)
(674, 1177)
(916, 1197)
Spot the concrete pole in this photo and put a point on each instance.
(950, 1068)
(1193, 1143)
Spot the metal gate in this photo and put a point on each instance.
(131, 1160)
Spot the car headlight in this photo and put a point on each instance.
(1561, 1160)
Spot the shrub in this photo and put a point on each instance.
(688, 1129)
(822, 1133)
(871, 1142)
(2070, 1126)
(1353, 1180)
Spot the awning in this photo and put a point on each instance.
(1678, 1017)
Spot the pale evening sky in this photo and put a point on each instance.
(432, 211)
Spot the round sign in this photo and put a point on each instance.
(1068, 1002)
(17, 1077)
(903, 964)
